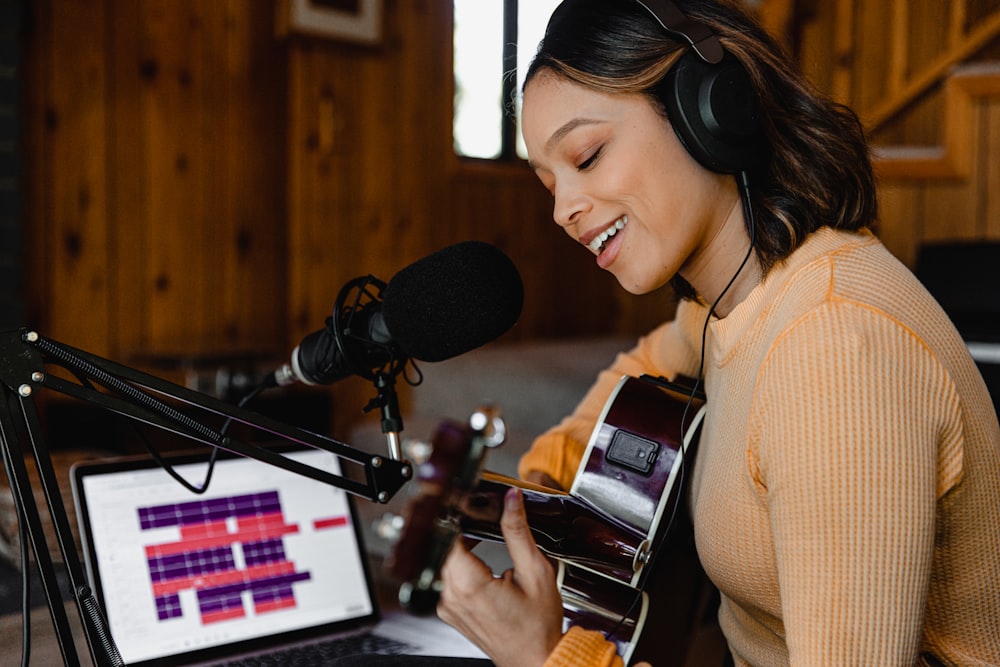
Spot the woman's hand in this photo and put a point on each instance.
(515, 619)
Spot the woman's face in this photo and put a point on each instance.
(622, 183)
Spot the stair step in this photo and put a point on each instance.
(963, 88)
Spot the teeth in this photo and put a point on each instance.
(599, 242)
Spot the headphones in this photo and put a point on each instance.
(710, 99)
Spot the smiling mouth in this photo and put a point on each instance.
(597, 245)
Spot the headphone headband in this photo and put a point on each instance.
(699, 36)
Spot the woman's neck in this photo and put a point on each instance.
(723, 267)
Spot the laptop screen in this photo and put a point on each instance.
(262, 552)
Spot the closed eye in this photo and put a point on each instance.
(589, 162)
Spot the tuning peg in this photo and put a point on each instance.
(389, 526)
(417, 450)
(489, 425)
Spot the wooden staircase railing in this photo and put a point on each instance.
(903, 90)
(962, 82)
(963, 88)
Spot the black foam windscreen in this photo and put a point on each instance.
(453, 301)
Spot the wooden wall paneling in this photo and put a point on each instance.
(898, 48)
(977, 10)
(989, 185)
(329, 99)
(416, 141)
(901, 220)
(951, 212)
(316, 128)
(931, 31)
(249, 192)
(212, 186)
(217, 92)
(777, 17)
(844, 53)
(129, 213)
(368, 174)
(202, 205)
(979, 38)
(176, 271)
(877, 65)
(512, 210)
(951, 208)
(957, 17)
(39, 170)
(76, 230)
(815, 50)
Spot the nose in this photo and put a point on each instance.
(570, 203)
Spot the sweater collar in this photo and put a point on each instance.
(725, 333)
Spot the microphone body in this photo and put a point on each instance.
(448, 303)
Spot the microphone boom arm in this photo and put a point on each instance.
(138, 396)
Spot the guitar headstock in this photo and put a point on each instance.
(430, 521)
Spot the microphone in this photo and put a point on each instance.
(448, 303)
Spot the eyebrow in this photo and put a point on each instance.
(565, 129)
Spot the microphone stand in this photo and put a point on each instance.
(388, 404)
(136, 395)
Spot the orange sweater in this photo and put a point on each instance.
(846, 491)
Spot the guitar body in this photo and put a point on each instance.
(602, 533)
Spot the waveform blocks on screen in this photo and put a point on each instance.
(227, 546)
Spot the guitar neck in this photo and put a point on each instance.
(564, 526)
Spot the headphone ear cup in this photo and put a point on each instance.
(714, 111)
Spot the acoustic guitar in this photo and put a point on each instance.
(603, 533)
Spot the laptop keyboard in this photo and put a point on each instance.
(321, 653)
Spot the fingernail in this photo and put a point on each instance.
(512, 499)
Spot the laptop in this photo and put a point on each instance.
(263, 561)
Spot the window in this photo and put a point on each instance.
(494, 41)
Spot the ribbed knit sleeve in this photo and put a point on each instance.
(583, 648)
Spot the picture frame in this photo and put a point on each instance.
(350, 20)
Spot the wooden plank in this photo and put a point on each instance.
(899, 45)
(952, 207)
(900, 223)
(176, 259)
(213, 33)
(39, 169)
(990, 223)
(255, 155)
(128, 210)
(776, 16)
(934, 72)
(240, 196)
(963, 91)
(843, 52)
(956, 23)
(78, 301)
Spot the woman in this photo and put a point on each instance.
(846, 492)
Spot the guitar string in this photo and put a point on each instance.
(744, 188)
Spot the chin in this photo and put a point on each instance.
(639, 287)
(633, 288)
